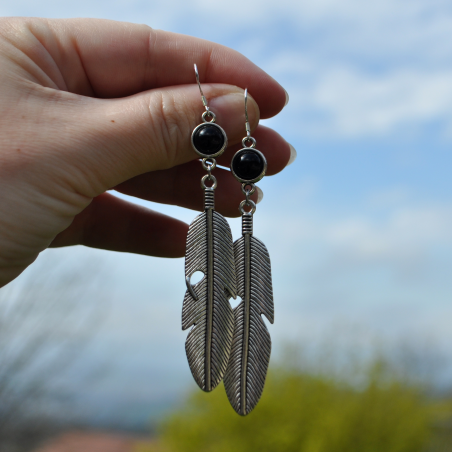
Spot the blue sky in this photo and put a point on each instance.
(359, 228)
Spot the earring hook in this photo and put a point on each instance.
(204, 100)
(248, 137)
(247, 122)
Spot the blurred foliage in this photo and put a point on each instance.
(141, 446)
(47, 319)
(304, 411)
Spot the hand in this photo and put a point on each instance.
(89, 106)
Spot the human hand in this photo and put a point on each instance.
(93, 105)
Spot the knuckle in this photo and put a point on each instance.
(170, 124)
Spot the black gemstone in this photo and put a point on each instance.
(208, 139)
(248, 165)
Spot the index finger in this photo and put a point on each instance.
(120, 59)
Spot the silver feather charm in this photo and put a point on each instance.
(206, 304)
(247, 368)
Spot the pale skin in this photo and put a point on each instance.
(88, 106)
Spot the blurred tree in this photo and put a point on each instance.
(301, 411)
(47, 317)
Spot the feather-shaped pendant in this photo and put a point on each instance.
(247, 368)
(206, 304)
(250, 355)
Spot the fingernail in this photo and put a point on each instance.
(293, 155)
(260, 195)
(287, 97)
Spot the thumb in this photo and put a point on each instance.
(117, 139)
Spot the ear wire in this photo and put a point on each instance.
(204, 100)
(247, 122)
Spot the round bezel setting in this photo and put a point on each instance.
(197, 129)
(246, 151)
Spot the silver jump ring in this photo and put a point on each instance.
(247, 203)
(248, 192)
(253, 142)
(212, 178)
(209, 164)
(209, 113)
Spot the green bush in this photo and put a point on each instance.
(301, 412)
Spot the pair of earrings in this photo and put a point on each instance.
(226, 343)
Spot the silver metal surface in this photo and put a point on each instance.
(206, 304)
(209, 198)
(257, 179)
(247, 126)
(209, 114)
(251, 140)
(249, 192)
(206, 308)
(250, 355)
(209, 164)
(248, 203)
(247, 223)
(204, 100)
(209, 177)
(247, 122)
(190, 288)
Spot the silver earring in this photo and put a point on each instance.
(209, 249)
(247, 368)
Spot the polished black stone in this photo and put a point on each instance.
(248, 164)
(208, 139)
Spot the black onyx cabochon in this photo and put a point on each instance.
(248, 164)
(208, 139)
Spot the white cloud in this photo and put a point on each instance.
(350, 102)
(405, 235)
(358, 104)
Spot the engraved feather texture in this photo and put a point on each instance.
(208, 344)
(247, 368)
